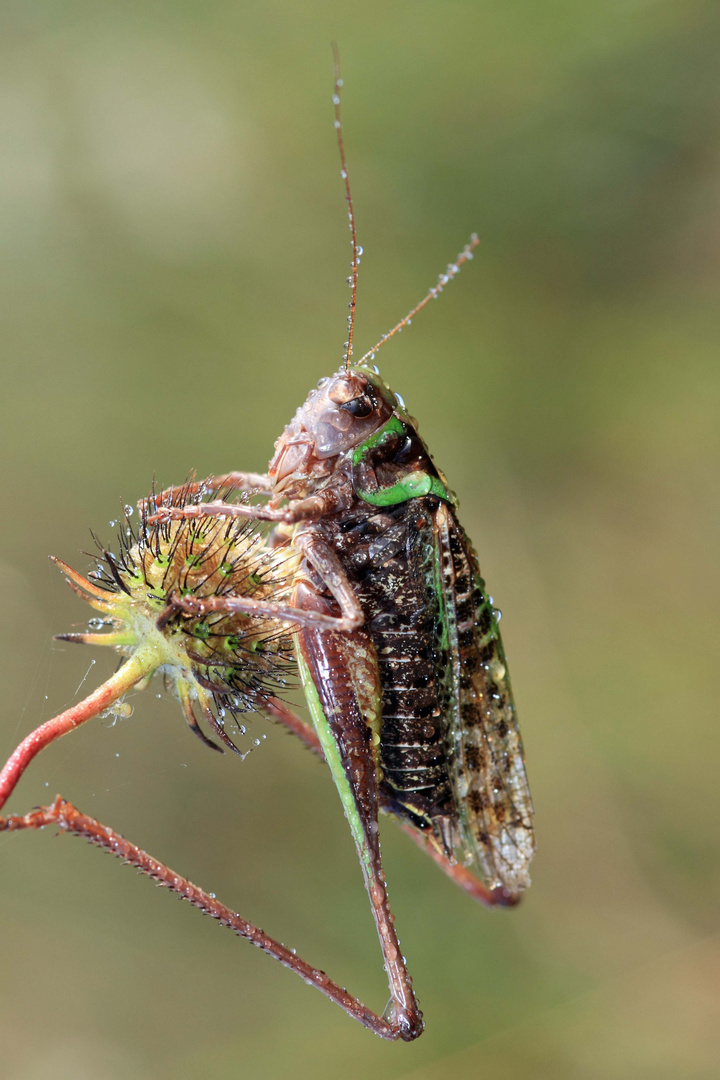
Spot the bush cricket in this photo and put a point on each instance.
(367, 582)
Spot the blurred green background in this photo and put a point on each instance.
(174, 252)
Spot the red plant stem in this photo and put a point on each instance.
(140, 664)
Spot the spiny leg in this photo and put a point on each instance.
(71, 820)
(402, 1018)
(497, 897)
(312, 508)
(323, 559)
(279, 711)
(232, 481)
(267, 608)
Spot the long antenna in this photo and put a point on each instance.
(356, 251)
(444, 279)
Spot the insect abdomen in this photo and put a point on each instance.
(384, 554)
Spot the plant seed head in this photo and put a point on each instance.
(216, 662)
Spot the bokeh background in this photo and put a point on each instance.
(173, 252)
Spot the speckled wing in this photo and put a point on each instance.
(495, 812)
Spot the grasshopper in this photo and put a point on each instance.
(396, 642)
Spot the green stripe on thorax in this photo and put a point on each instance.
(411, 486)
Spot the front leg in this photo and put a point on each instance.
(327, 565)
(350, 619)
(328, 501)
(232, 481)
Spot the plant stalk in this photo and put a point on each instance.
(141, 664)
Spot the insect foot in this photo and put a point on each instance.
(408, 1023)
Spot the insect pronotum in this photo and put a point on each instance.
(369, 583)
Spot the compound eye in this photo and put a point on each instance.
(360, 406)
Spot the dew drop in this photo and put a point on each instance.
(338, 124)
(336, 99)
(129, 510)
(359, 251)
(400, 400)
(343, 174)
